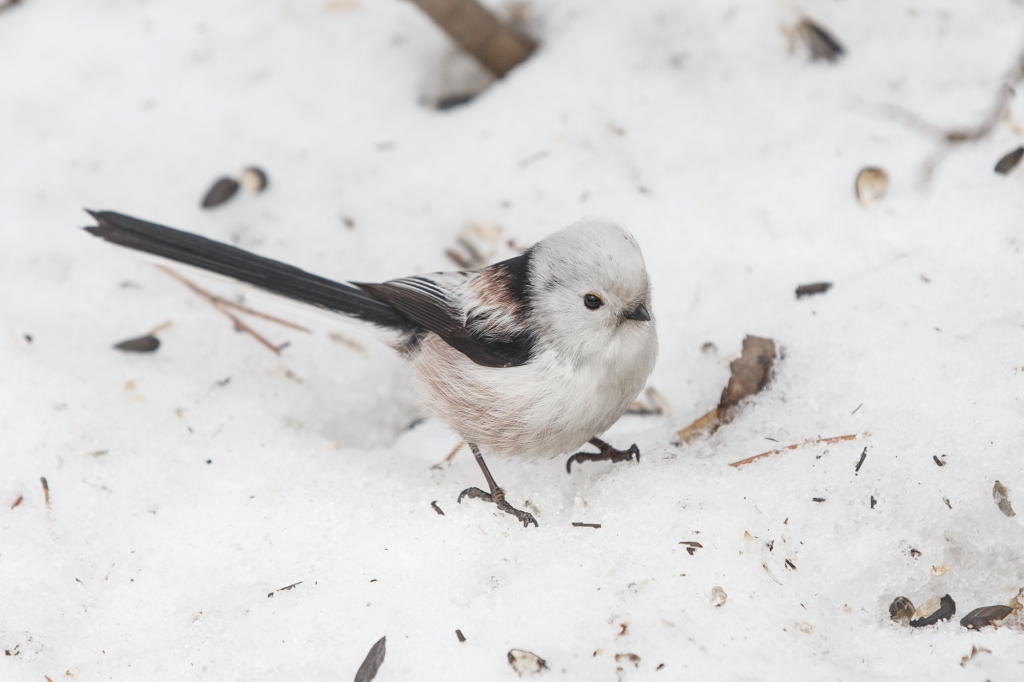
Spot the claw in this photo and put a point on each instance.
(497, 495)
(607, 453)
(476, 494)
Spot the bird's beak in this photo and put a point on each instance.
(639, 313)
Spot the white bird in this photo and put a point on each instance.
(536, 355)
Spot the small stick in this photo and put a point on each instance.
(222, 304)
(819, 441)
(471, 25)
(17, 501)
(455, 451)
(577, 524)
(252, 332)
(217, 300)
(46, 489)
(860, 462)
(948, 138)
(436, 508)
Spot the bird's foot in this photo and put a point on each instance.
(607, 454)
(497, 496)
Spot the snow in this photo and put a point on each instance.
(177, 504)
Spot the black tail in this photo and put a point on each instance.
(264, 273)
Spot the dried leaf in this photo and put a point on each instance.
(821, 43)
(751, 372)
(901, 610)
(812, 289)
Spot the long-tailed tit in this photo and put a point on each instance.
(535, 356)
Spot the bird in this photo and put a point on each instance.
(534, 356)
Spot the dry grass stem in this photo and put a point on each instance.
(222, 304)
(819, 441)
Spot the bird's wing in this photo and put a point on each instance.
(482, 314)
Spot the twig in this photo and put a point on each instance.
(217, 300)
(222, 304)
(159, 328)
(860, 462)
(46, 490)
(950, 137)
(578, 524)
(471, 25)
(455, 451)
(819, 441)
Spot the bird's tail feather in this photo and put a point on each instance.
(267, 274)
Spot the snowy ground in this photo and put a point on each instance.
(180, 500)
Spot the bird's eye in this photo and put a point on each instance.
(592, 301)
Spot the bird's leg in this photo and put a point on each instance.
(497, 495)
(608, 453)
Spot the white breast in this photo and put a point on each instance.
(549, 406)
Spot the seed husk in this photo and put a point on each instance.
(525, 662)
(142, 344)
(812, 289)
(872, 184)
(221, 191)
(1001, 496)
(932, 611)
(985, 615)
(1009, 161)
(901, 610)
(822, 44)
(253, 179)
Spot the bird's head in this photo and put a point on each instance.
(590, 293)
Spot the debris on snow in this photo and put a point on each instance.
(1001, 496)
(141, 344)
(901, 610)
(371, 664)
(1009, 161)
(872, 184)
(220, 192)
(749, 374)
(984, 616)
(932, 611)
(525, 663)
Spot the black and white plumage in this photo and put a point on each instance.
(535, 355)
